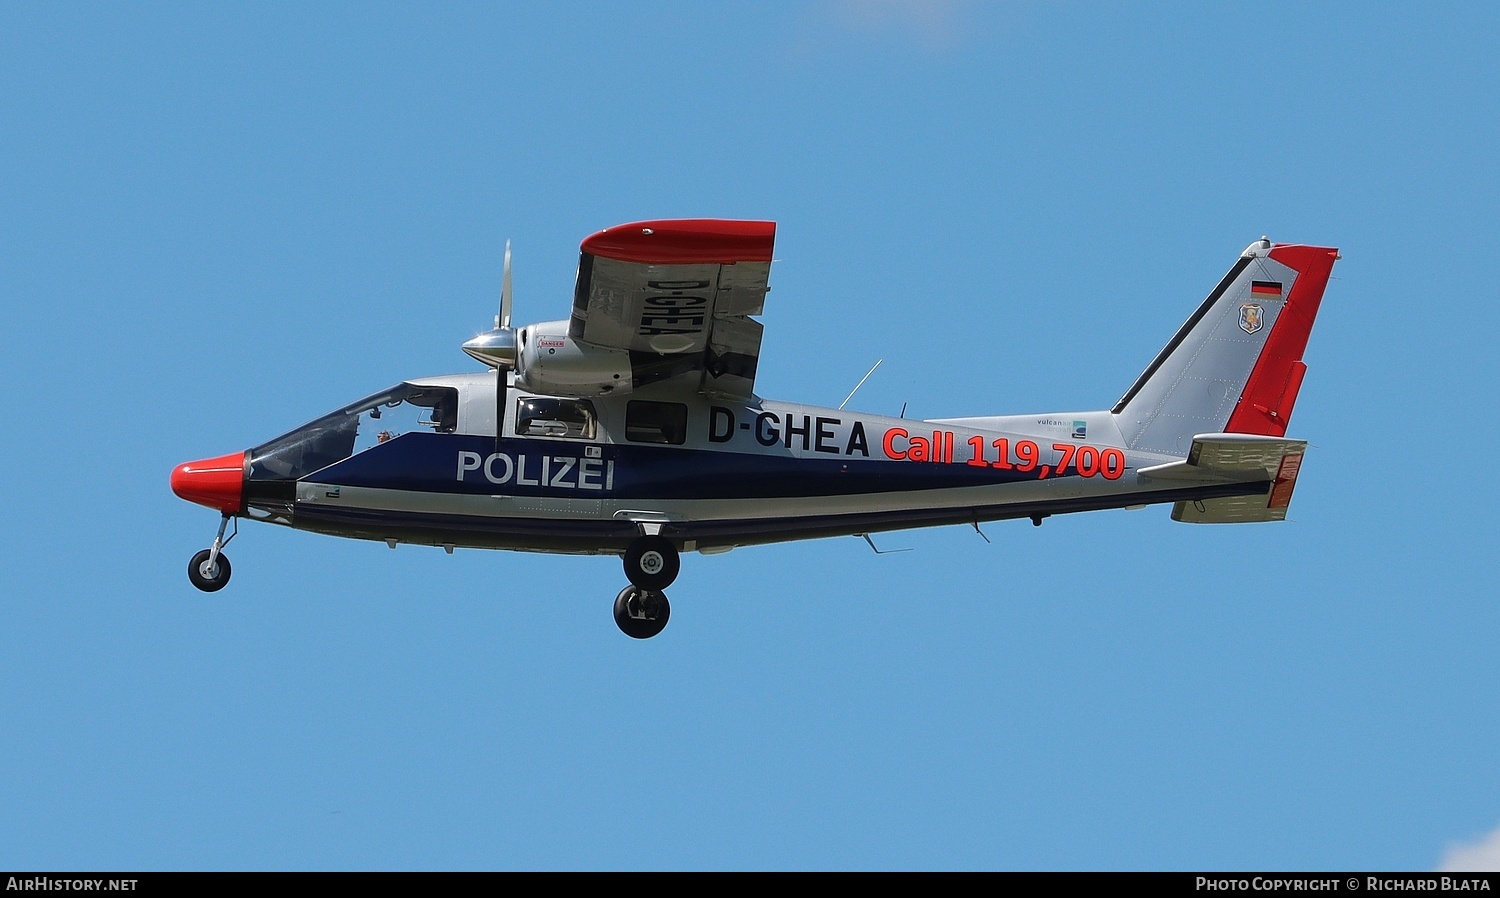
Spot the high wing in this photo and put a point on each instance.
(678, 296)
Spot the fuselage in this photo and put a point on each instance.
(422, 464)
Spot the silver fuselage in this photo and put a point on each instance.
(724, 474)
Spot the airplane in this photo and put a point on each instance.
(632, 428)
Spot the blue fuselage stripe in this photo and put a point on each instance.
(463, 464)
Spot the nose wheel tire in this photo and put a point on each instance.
(652, 563)
(641, 613)
(209, 577)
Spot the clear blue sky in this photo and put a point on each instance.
(220, 220)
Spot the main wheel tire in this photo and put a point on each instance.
(206, 578)
(641, 613)
(652, 562)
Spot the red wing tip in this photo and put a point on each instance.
(685, 241)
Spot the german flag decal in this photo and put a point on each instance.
(1265, 289)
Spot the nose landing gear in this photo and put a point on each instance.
(209, 568)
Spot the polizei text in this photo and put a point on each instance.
(523, 469)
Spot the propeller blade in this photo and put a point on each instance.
(505, 298)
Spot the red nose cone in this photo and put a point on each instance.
(216, 482)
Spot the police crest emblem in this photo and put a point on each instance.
(1252, 317)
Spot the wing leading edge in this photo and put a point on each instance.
(678, 296)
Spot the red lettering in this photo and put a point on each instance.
(1088, 461)
(888, 443)
(1067, 456)
(1112, 464)
(921, 449)
(1028, 453)
(1002, 448)
(978, 459)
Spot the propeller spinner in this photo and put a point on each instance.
(497, 347)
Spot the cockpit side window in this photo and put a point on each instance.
(413, 409)
(656, 422)
(546, 417)
(443, 403)
(354, 428)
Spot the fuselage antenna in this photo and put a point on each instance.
(861, 383)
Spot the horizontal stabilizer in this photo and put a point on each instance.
(1229, 457)
(1242, 452)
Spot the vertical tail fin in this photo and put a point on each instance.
(1236, 365)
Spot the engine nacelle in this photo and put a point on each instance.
(551, 362)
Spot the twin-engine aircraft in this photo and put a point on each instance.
(632, 428)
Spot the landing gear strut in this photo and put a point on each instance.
(641, 613)
(209, 569)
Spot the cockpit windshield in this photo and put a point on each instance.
(354, 428)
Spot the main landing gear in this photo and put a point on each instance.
(209, 569)
(651, 564)
(641, 613)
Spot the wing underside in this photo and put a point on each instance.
(678, 295)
